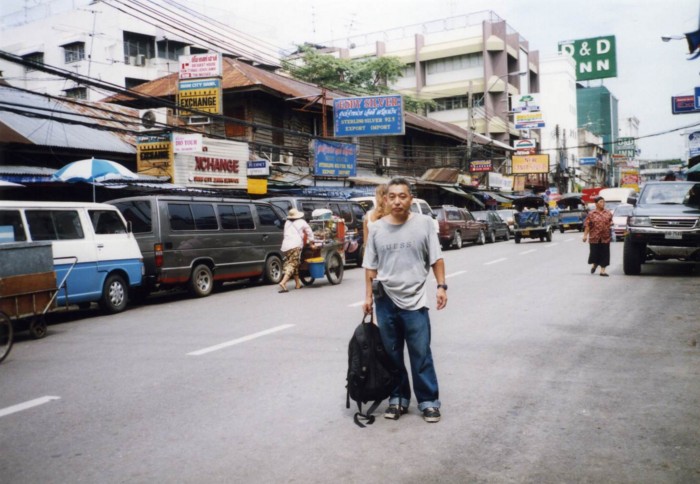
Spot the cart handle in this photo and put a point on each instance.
(63, 282)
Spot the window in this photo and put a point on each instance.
(136, 45)
(76, 93)
(138, 214)
(54, 224)
(132, 82)
(450, 103)
(180, 216)
(456, 63)
(106, 222)
(236, 217)
(74, 52)
(35, 58)
(244, 216)
(409, 70)
(204, 216)
(266, 215)
(170, 49)
(11, 228)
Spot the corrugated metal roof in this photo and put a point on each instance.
(57, 132)
(441, 175)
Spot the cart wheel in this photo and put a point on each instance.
(6, 336)
(37, 327)
(307, 280)
(334, 269)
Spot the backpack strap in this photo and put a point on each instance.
(367, 415)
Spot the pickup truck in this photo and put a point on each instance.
(665, 224)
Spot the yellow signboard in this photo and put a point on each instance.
(154, 156)
(530, 164)
(203, 95)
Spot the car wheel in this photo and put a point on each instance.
(114, 294)
(517, 238)
(492, 237)
(561, 229)
(481, 240)
(632, 258)
(457, 240)
(273, 270)
(201, 281)
(507, 236)
(548, 237)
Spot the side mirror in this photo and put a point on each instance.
(632, 200)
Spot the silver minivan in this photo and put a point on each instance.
(200, 242)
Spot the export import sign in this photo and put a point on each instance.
(368, 116)
(530, 164)
(334, 159)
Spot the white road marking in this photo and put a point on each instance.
(240, 340)
(551, 244)
(528, 251)
(26, 405)
(357, 304)
(455, 274)
(495, 261)
(569, 240)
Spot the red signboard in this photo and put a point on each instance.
(477, 166)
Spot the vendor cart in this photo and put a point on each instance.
(27, 290)
(326, 251)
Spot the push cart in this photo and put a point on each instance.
(27, 290)
(326, 254)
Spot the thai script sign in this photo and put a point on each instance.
(154, 155)
(595, 57)
(683, 105)
(480, 166)
(530, 164)
(368, 116)
(199, 66)
(334, 159)
(528, 120)
(629, 178)
(203, 95)
(183, 143)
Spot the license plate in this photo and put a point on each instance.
(526, 233)
(674, 235)
(566, 226)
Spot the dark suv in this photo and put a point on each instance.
(457, 226)
(497, 228)
(665, 224)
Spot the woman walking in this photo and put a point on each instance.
(377, 212)
(596, 229)
(296, 233)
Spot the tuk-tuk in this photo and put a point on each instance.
(572, 212)
(532, 220)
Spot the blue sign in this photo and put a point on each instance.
(683, 105)
(334, 159)
(697, 98)
(587, 161)
(368, 116)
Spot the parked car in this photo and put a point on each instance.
(96, 258)
(417, 206)
(620, 215)
(457, 226)
(350, 211)
(197, 242)
(508, 214)
(665, 224)
(496, 227)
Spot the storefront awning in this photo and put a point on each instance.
(498, 197)
(463, 194)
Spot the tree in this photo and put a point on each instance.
(368, 76)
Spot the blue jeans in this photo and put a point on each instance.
(398, 326)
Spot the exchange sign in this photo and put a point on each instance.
(595, 57)
(201, 95)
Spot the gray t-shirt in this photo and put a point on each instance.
(402, 255)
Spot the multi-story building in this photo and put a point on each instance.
(119, 43)
(598, 113)
(450, 60)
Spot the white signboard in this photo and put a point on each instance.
(187, 143)
(258, 168)
(529, 120)
(694, 144)
(523, 103)
(221, 163)
(199, 66)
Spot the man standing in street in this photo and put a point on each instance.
(401, 249)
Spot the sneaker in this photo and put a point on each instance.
(393, 412)
(431, 414)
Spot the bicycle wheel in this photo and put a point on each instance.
(6, 336)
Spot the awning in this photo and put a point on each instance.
(466, 195)
(498, 197)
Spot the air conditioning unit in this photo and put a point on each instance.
(140, 60)
(386, 162)
(198, 120)
(287, 159)
(153, 119)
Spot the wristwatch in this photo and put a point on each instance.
(442, 286)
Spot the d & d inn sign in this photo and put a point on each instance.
(595, 57)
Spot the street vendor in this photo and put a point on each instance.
(297, 233)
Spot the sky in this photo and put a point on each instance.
(650, 71)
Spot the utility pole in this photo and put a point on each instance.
(470, 117)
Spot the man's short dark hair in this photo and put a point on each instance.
(598, 199)
(399, 181)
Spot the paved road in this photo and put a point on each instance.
(547, 374)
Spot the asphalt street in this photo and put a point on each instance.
(547, 374)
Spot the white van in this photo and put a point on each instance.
(417, 206)
(615, 196)
(96, 258)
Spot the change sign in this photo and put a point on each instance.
(202, 95)
(595, 57)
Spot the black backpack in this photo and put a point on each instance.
(372, 376)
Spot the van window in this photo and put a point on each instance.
(345, 212)
(106, 222)
(138, 213)
(283, 204)
(357, 211)
(266, 215)
(204, 216)
(54, 224)
(180, 216)
(11, 228)
(235, 217)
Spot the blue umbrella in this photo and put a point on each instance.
(93, 170)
